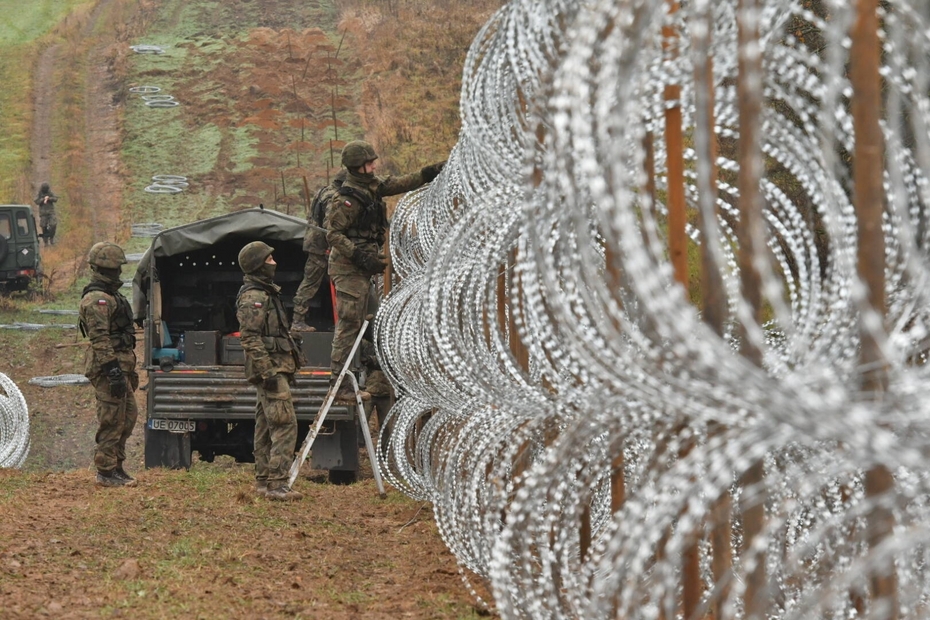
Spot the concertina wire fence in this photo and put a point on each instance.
(545, 356)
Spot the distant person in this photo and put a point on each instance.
(356, 223)
(110, 361)
(271, 359)
(48, 221)
(317, 253)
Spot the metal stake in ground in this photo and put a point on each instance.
(321, 415)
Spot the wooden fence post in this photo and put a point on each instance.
(869, 201)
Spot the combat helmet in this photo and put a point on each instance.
(357, 153)
(253, 256)
(107, 255)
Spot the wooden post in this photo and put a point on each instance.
(751, 236)
(307, 196)
(675, 166)
(869, 199)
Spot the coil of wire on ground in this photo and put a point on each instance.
(146, 229)
(14, 425)
(545, 355)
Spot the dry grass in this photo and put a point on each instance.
(413, 53)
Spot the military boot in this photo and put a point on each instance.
(261, 488)
(299, 324)
(120, 473)
(109, 479)
(283, 494)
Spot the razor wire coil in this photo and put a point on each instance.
(14, 425)
(57, 380)
(537, 335)
(146, 229)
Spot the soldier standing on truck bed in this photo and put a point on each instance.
(356, 222)
(317, 253)
(271, 359)
(47, 218)
(110, 361)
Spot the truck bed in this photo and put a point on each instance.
(205, 393)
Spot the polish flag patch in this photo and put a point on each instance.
(101, 302)
(348, 204)
(257, 304)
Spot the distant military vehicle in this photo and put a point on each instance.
(20, 263)
(198, 399)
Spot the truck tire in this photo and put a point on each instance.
(169, 450)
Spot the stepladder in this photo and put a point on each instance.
(344, 375)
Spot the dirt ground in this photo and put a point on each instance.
(197, 543)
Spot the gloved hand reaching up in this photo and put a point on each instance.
(432, 171)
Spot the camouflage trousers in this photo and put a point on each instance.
(275, 433)
(116, 417)
(314, 270)
(49, 223)
(351, 306)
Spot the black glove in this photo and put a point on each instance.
(271, 383)
(116, 379)
(371, 264)
(431, 172)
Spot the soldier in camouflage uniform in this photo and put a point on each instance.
(317, 253)
(271, 359)
(110, 361)
(47, 218)
(356, 223)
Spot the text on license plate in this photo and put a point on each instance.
(172, 426)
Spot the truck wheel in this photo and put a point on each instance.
(342, 477)
(170, 450)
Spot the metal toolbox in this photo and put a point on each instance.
(201, 348)
(231, 352)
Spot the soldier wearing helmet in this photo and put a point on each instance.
(356, 223)
(110, 361)
(47, 218)
(271, 359)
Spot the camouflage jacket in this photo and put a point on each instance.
(46, 207)
(264, 331)
(106, 320)
(357, 217)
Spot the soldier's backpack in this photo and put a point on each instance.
(318, 207)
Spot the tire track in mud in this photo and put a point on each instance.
(103, 188)
(43, 102)
(101, 194)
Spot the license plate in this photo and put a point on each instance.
(172, 426)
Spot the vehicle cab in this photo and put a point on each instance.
(20, 262)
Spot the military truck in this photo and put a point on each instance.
(198, 400)
(20, 262)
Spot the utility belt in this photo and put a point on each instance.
(277, 344)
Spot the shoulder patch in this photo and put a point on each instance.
(347, 203)
(101, 302)
(257, 304)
